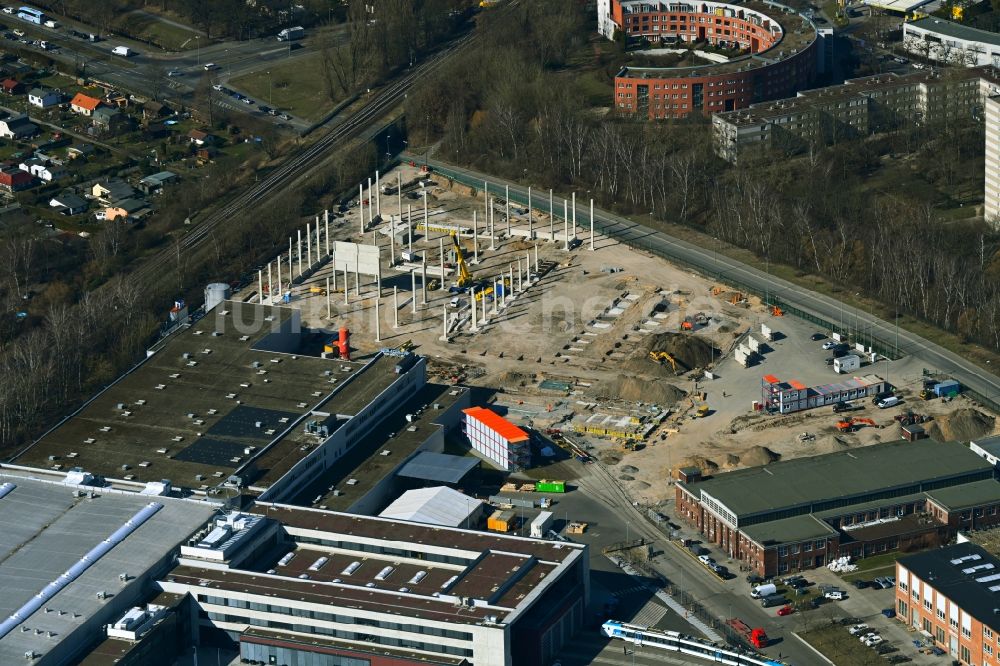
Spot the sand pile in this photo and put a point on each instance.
(961, 425)
(758, 455)
(633, 389)
(706, 466)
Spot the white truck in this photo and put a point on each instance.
(291, 34)
(761, 591)
(123, 51)
(540, 525)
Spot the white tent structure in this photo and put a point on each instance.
(438, 505)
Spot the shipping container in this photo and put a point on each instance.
(947, 388)
(848, 363)
(541, 524)
(546, 486)
(502, 521)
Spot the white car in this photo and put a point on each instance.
(866, 636)
(101, 215)
(175, 72)
(209, 66)
(873, 641)
(8, 10)
(829, 344)
(858, 629)
(19, 33)
(706, 560)
(835, 595)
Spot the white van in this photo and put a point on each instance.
(763, 590)
(123, 51)
(885, 403)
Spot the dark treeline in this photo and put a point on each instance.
(514, 108)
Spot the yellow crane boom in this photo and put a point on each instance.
(464, 276)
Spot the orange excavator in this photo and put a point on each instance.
(852, 424)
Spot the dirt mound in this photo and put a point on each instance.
(758, 455)
(688, 351)
(630, 469)
(706, 466)
(961, 425)
(632, 389)
(512, 379)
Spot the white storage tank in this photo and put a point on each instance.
(215, 293)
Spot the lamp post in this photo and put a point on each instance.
(270, 101)
(198, 42)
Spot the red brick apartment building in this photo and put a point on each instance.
(801, 514)
(778, 57)
(949, 594)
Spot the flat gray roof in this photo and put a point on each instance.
(189, 412)
(840, 476)
(956, 30)
(788, 530)
(967, 494)
(439, 467)
(46, 530)
(989, 444)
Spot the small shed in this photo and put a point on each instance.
(913, 432)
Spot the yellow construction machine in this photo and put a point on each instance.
(661, 356)
(464, 275)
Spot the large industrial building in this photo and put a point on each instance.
(301, 586)
(241, 401)
(779, 53)
(949, 595)
(76, 558)
(856, 108)
(952, 43)
(801, 514)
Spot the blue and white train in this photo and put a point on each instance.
(677, 642)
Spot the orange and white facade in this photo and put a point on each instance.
(497, 439)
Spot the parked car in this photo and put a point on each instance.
(861, 584)
(264, 109)
(834, 595)
(867, 635)
(829, 344)
(889, 612)
(873, 641)
(858, 629)
(705, 559)
(786, 610)
(285, 116)
(816, 337)
(101, 215)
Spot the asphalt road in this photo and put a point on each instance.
(933, 356)
(145, 72)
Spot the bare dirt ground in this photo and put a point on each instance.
(588, 323)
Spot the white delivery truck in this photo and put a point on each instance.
(541, 524)
(123, 51)
(291, 34)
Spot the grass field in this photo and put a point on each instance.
(296, 87)
(167, 36)
(831, 640)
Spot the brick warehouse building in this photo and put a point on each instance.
(949, 594)
(801, 514)
(779, 57)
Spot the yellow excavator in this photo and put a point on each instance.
(464, 275)
(661, 356)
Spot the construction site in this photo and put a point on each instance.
(612, 353)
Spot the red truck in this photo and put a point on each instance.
(756, 637)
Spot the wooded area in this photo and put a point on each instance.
(866, 214)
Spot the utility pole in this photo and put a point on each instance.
(507, 207)
(531, 233)
(591, 225)
(552, 220)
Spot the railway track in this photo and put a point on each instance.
(300, 165)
